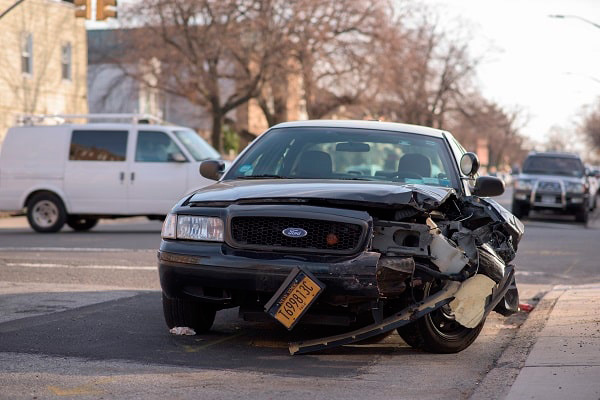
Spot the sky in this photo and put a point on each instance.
(550, 67)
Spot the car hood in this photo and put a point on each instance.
(421, 197)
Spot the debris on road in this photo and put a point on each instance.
(526, 307)
(182, 330)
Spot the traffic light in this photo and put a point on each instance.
(83, 9)
(106, 9)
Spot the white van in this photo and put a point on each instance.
(78, 173)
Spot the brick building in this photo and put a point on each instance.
(43, 60)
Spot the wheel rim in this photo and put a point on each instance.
(45, 213)
(442, 320)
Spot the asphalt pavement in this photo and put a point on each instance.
(81, 317)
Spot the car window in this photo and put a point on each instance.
(197, 146)
(88, 145)
(155, 147)
(344, 153)
(553, 166)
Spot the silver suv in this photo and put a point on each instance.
(556, 182)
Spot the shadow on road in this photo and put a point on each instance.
(132, 329)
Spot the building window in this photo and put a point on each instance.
(65, 60)
(27, 53)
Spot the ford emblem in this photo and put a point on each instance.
(294, 232)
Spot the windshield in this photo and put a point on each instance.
(197, 146)
(347, 154)
(553, 166)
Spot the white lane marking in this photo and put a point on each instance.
(80, 249)
(41, 265)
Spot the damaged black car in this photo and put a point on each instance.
(372, 225)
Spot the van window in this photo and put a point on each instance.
(98, 146)
(155, 147)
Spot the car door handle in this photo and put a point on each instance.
(132, 176)
(122, 176)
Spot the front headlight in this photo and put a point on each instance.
(169, 228)
(522, 184)
(191, 227)
(574, 187)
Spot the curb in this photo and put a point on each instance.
(498, 381)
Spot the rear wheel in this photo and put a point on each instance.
(78, 223)
(438, 331)
(183, 312)
(46, 212)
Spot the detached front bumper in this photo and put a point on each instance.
(217, 273)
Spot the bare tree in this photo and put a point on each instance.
(213, 53)
(590, 126)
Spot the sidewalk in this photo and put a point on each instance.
(565, 360)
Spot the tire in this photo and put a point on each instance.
(437, 332)
(79, 224)
(583, 214)
(46, 212)
(183, 312)
(519, 210)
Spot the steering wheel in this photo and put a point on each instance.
(408, 174)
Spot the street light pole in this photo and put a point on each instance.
(576, 17)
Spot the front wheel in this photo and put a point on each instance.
(582, 214)
(183, 312)
(520, 210)
(81, 223)
(438, 331)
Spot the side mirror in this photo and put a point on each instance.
(177, 157)
(212, 169)
(488, 186)
(469, 164)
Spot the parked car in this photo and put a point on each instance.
(78, 173)
(291, 234)
(556, 182)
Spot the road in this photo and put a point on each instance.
(80, 316)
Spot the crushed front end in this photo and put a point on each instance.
(415, 259)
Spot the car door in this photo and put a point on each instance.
(159, 173)
(95, 171)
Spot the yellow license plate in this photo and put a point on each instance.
(294, 297)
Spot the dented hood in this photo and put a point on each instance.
(374, 193)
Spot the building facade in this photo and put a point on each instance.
(43, 60)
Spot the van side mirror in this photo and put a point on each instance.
(488, 186)
(469, 164)
(212, 169)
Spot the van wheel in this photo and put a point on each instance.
(81, 223)
(46, 213)
(438, 332)
(193, 314)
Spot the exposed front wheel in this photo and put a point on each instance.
(78, 223)
(183, 312)
(438, 332)
(46, 212)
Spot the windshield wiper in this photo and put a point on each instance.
(263, 176)
(358, 179)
